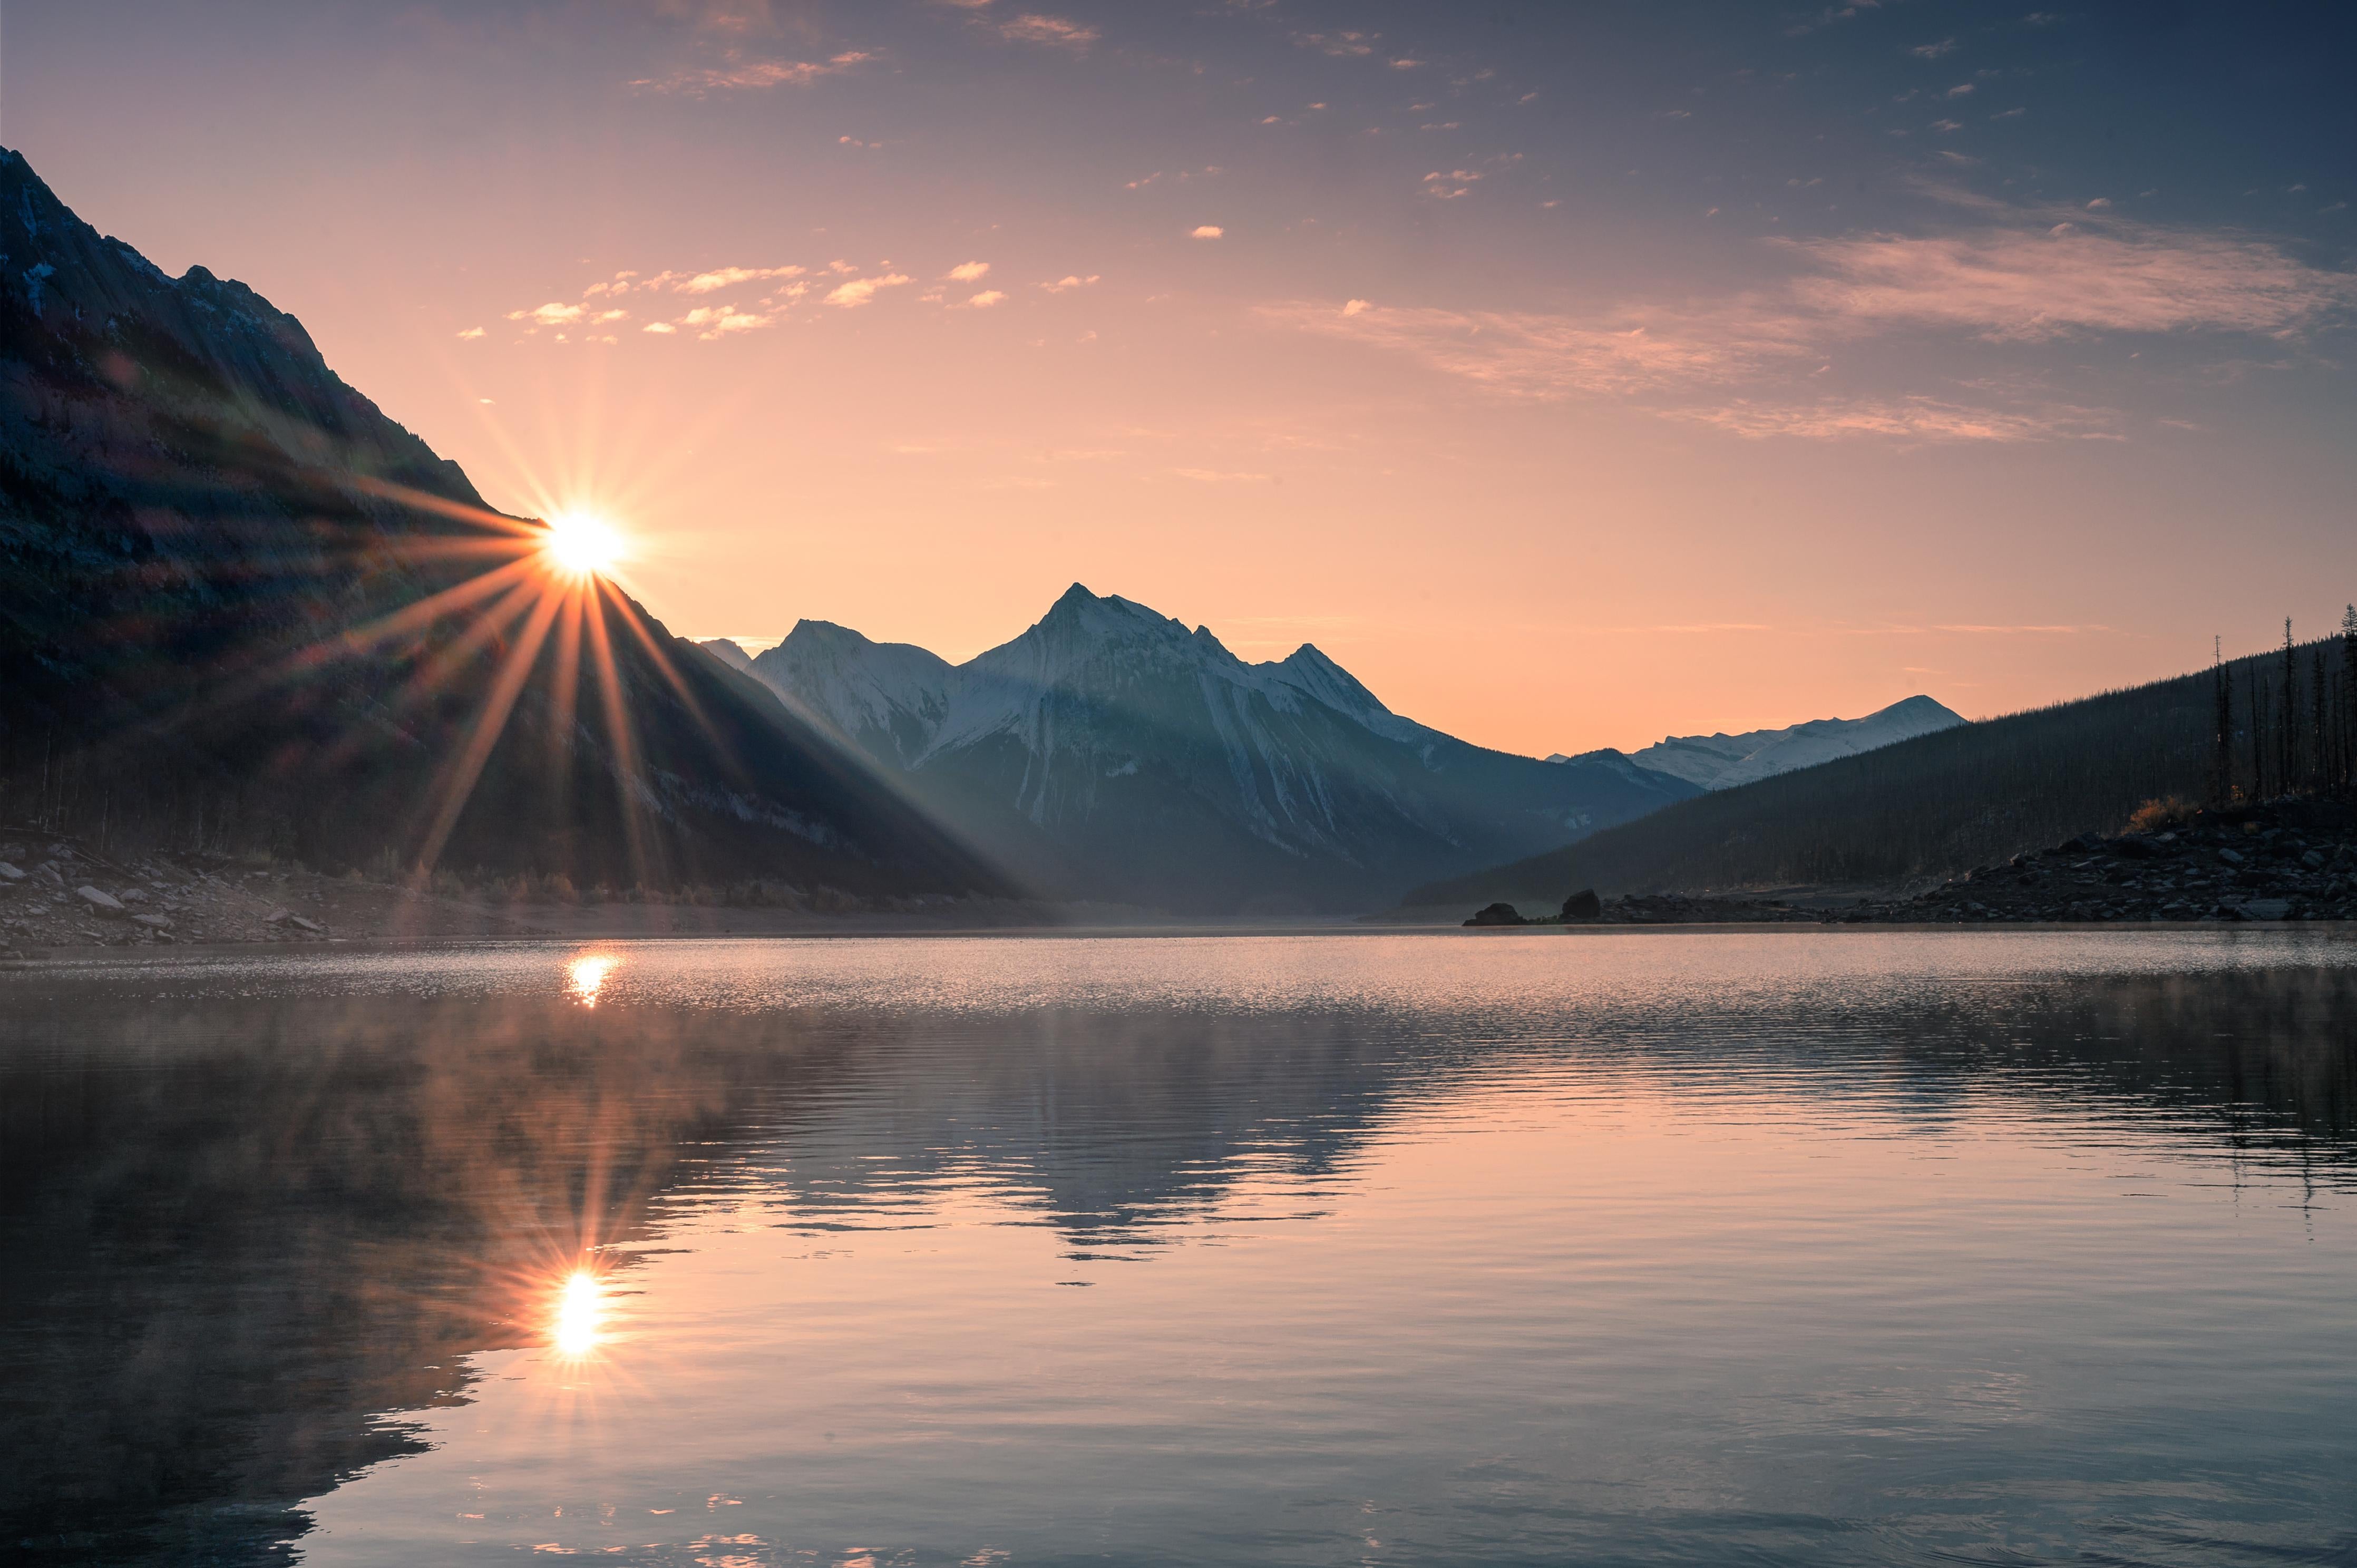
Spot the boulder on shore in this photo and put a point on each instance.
(104, 902)
(1498, 915)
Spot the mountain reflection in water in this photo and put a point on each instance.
(273, 1223)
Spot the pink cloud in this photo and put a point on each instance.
(860, 291)
(2015, 283)
(726, 277)
(1917, 419)
(1736, 363)
(739, 74)
(1033, 28)
(1536, 355)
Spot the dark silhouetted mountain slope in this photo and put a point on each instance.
(1939, 804)
(219, 625)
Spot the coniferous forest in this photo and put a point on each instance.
(2281, 722)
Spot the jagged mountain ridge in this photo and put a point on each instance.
(1725, 761)
(1115, 754)
(195, 513)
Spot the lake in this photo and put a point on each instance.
(1678, 1246)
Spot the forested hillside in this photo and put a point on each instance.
(1942, 803)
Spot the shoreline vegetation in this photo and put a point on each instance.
(2288, 859)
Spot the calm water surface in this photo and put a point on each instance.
(1789, 1247)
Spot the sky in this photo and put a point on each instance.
(1574, 374)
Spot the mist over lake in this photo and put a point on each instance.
(1794, 1247)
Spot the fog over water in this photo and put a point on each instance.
(1664, 1247)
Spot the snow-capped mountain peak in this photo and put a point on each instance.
(1725, 761)
(1308, 670)
(888, 697)
(1159, 768)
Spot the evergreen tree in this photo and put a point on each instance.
(2287, 721)
(2349, 698)
(2222, 743)
(2259, 735)
(2319, 750)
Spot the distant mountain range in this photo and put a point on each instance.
(240, 610)
(1725, 761)
(1959, 796)
(1114, 754)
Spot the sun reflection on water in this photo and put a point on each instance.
(580, 1305)
(587, 975)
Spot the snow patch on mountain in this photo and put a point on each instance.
(887, 697)
(1725, 761)
(1154, 765)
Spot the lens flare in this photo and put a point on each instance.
(587, 975)
(582, 545)
(579, 1306)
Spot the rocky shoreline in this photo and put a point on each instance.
(2292, 859)
(60, 895)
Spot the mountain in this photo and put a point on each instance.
(728, 652)
(1724, 761)
(1966, 796)
(1117, 755)
(241, 610)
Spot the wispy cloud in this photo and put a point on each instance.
(729, 278)
(1749, 364)
(2021, 631)
(736, 73)
(713, 321)
(1070, 281)
(1206, 232)
(1343, 46)
(858, 292)
(967, 271)
(985, 299)
(1828, 15)
(2069, 278)
(767, 294)
(555, 313)
(1916, 419)
(1538, 355)
(1033, 28)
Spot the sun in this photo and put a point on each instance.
(580, 545)
(579, 1307)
